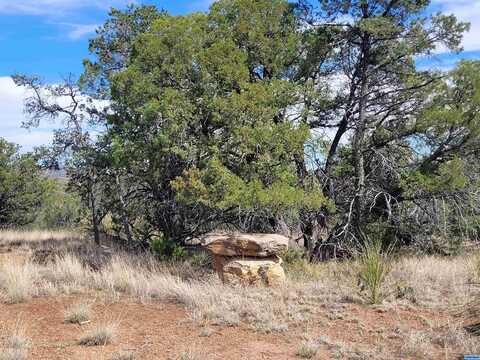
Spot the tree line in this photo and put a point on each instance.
(305, 118)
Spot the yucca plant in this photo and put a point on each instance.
(373, 269)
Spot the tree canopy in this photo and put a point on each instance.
(22, 187)
(307, 118)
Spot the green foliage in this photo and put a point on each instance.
(22, 186)
(449, 177)
(373, 268)
(225, 118)
(167, 249)
(203, 102)
(293, 255)
(59, 208)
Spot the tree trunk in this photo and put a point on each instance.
(96, 231)
(358, 150)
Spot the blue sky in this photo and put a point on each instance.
(50, 38)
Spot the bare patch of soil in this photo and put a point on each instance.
(164, 331)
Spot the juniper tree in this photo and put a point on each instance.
(200, 116)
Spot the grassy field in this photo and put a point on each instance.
(324, 310)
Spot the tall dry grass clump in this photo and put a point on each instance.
(16, 281)
(372, 271)
(69, 269)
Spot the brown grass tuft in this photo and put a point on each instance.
(101, 335)
(307, 349)
(16, 344)
(78, 313)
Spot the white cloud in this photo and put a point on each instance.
(77, 31)
(465, 10)
(54, 7)
(11, 117)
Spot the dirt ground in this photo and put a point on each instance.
(164, 331)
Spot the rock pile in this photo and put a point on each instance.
(247, 259)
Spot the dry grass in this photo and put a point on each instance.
(16, 281)
(28, 237)
(16, 344)
(307, 349)
(431, 282)
(78, 313)
(450, 337)
(417, 345)
(435, 281)
(190, 355)
(476, 267)
(123, 355)
(101, 335)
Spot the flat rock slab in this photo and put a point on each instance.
(252, 272)
(255, 245)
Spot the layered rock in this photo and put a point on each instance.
(255, 245)
(253, 271)
(247, 259)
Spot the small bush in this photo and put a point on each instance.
(307, 349)
(293, 255)
(78, 314)
(372, 272)
(101, 335)
(166, 249)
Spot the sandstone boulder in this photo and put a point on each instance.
(255, 245)
(252, 271)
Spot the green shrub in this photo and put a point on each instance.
(166, 249)
(59, 208)
(373, 268)
(293, 255)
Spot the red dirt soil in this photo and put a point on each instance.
(156, 330)
(164, 331)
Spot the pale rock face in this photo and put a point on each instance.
(255, 245)
(252, 272)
